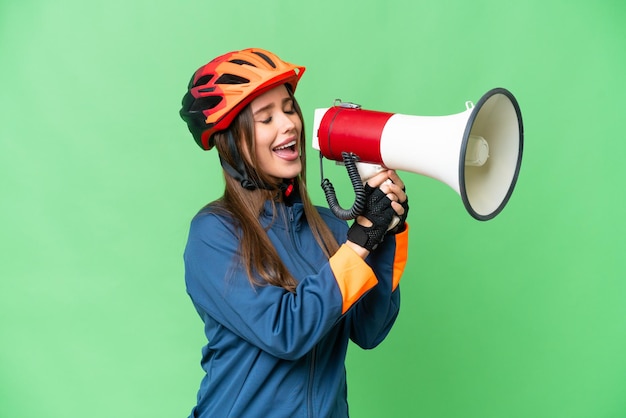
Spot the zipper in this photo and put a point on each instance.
(310, 409)
(305, 266)
(310, 268)
(302, 260)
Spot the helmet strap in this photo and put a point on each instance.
(239, 171)
(287, 186)
(242, 178)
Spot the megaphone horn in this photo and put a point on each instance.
(477, 152)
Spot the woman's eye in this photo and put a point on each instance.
(267, 120)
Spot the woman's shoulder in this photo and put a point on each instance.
(212, 216)
(213, 208)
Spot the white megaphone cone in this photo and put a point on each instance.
(477, 152)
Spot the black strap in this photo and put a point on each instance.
(239, 172)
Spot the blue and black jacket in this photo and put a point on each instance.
(272, 353)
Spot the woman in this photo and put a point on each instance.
(280, 284)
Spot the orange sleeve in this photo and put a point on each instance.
(354, 277)
(401, 256)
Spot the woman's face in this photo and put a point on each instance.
(277, 129)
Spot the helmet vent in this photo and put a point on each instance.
(242, 62)
(266, 58)
(203, 80)
(205, 103)
(231, 79)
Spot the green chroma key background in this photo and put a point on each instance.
(523, 316)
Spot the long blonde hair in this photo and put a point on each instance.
(258, 255)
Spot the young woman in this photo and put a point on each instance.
(282, 286)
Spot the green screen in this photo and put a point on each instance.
(521, 316)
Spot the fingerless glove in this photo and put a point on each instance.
(379, 212)
(401, 225)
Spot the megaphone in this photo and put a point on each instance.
(477, 152)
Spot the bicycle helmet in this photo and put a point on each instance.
(219, 90)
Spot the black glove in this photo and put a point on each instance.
(379, 212)
(401, 225)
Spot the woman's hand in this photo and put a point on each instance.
(386, 195)
(390, 183)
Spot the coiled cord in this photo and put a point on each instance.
(358, 206)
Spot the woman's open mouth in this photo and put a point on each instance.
(287, 151)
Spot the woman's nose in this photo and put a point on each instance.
(287, 123)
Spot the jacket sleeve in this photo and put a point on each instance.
(284, 324)
(374, 315)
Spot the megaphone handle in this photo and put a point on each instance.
(358, 206)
